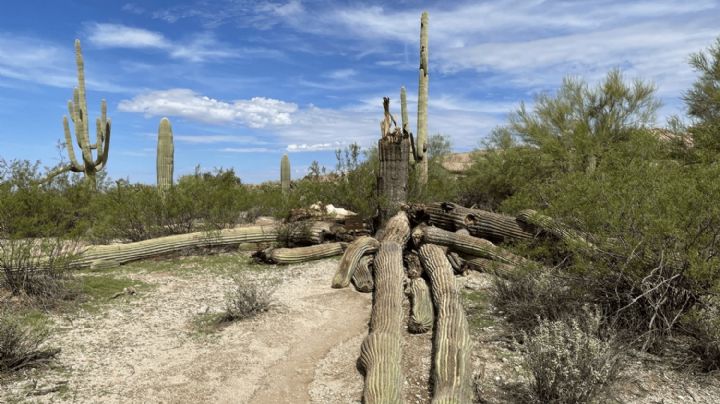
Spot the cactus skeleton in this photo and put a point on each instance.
(550, 226)
(363, 276)
(285, 174)
(77, 109)
(380, 351)
(451, 371)
(421, 307)
(165, 155)
(464, 244)
(355, 251)
(479, 223)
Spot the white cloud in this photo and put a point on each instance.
(312, 147)
(256, 112)
(247, 150)
(210, 139)
(197, 48)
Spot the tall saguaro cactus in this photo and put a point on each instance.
(165, 155)
(421, 146)
(285, 174)
(77, 109)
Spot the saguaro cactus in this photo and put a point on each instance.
(303, 254)
(285, 174)
(421, 308)
(165, 155)
(380, 352)
(77, 109)
(421, 145)
(355, 251)
(363, 277)
(451, 371)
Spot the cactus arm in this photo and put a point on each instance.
(165, 163)
(403, 109)
(74, 165)
(355, 251)
(423, 79)
(451, 371)
(363, 277)
(421, 308)
(397, 229)
(103, 156)
(380, 352)
(285, 256)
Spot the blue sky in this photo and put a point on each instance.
(245, 81)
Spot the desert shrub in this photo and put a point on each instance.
(703, 327)
(568, 361)
(21, 345)
(530, 297)
(250, 297)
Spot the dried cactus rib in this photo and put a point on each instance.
(451, 374)
(548, 225)
(488, 266)
(421, 308)
(479, 223)
(303, 254)
(380, 352)
(469, 245)
(122, 253)
(397, 229)
(355, 251)
(363, 277)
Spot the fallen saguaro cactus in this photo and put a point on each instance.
(488, 266)
(479, 223)
(361, 246)
(548, 225)
(451, 370)
(421, 307)
(302, 254)
(101, 255)
(380, 351)
(412, 261)
(363, 277)
(456, 262)
(460, 243)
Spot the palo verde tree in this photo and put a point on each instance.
(77, 109)
(703, 102)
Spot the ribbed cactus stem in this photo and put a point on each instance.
(552, 227)
(380, 353)
(77, 110)
(422, 118)
(397, 229)
(421, 307)
(464, 244)
(122, 253)
(356, 250)
(285, 174)
(165, 155)
(403, 109)
(488, 266)
(451, 371)
(363, 277)
(302, 254)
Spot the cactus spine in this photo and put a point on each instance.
(165, 155)
(77, 109)
(423, 100)
(451, 371)
(285, 174)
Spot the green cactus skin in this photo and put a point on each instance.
(361, 246)
(122, 253)
(451, 371)
(422, 118)
(285, 174)
(285, 256)
(403, 109)
(77, 109)
(165, 155)
(464, 244)
(363, 277)
(380, 353)
(421, 307)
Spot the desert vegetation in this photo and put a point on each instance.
(594, 230)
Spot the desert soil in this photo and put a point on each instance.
(146, 349)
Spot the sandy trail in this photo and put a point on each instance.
(144, 350)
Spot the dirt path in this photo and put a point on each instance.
(145, 349)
